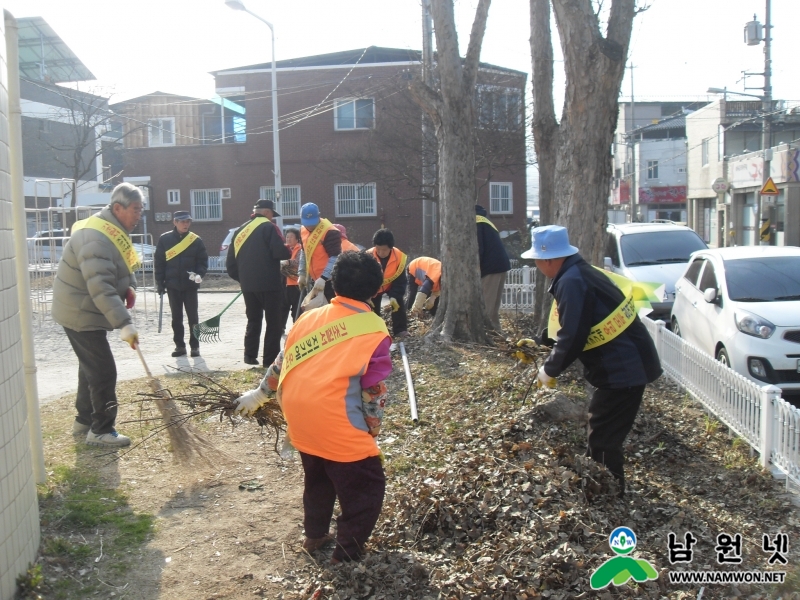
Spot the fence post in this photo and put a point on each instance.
(769, 394)
(660, 338)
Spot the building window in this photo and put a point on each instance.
(44, 126)
(206, 205)
(173, 196)
(355, 200)
(681, 169)
(498, 108)
(225, 121)
(161, 132)
(352, 113)
(652, 169)
(704, 158)
(500, 199)
(289, 205)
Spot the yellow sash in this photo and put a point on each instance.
(313, 241)
(117, 236)
(242, 236)
(328, 336)
(182, 245)
(400, 268)
(610, 327)
(481, 219)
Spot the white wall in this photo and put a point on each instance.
(704, 124)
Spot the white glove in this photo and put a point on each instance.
(319, 286)
(431, 301)
(250, 402)
(544, 380)
(419, 301)
(312, 302)
(130, 335)
(195, 277)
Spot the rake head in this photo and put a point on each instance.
(207, 331)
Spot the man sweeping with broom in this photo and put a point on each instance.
(92, 292)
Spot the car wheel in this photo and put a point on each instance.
(722, 356)
(676, 329)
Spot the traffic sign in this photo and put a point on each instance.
(720, 185)
(769, 188)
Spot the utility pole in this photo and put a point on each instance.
(430, 239)
(632, 141)
(766, 130)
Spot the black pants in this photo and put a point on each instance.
(611, 417)
(360, 487)
(413, 288)
(291, 300)
(399, 318)
(96, 401)
(260, 305)
(177, 301)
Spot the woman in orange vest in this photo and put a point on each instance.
(291, 299)
(424, 285)
(393, 262)
(330, 384)
(346, 243)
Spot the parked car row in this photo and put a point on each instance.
(45, 249)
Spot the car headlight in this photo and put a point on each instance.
(753, 325)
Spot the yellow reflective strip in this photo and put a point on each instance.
(118, 237)
(400, 268)
(313, 241)
(182, 245)
(242, 236)
(482, 219)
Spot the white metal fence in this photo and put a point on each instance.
(756, 413)
(518, 290)
(216, 264)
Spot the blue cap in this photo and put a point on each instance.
(550, 241)
(309, 214)
(182, 215)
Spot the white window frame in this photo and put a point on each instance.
(157, 141)
(652, 169)
(359, 211)
(199, 215)
(495, 200)
(173, 196)
(341, 101)
(704, 152)
(267, 192)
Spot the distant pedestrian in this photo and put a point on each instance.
(181, 262)
(289, 270)
(254, 260)
(494, 265)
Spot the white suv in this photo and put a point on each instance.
(654, 253)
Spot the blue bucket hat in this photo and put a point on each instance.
(309, 214)
(550, 241)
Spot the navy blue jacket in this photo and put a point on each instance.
(585, 297)
(257, 266)
(174, 274)
(491, 252)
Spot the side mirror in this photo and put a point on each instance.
(607, 263)
(710, 295)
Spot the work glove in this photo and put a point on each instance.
(312, 302)
(431, 301)
(419, 301)
(302, 280)
(394, 304)
(130, 298)
(249, 403)
(195, 277)
(161, 289)
(373, 401)
(520, 355)
(544, 380)
(130, 335)
(319, 287)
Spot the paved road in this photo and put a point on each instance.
(57, 366)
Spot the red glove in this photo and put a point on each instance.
(130, 298)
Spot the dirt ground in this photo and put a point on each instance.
(485, 497)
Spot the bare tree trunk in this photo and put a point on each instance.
(461, 313)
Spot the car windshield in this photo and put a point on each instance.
(659, 247)
(763, 279)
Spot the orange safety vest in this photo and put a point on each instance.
(295, 252)
(424, 266)
(394, 268)
(321, 396)
(348, 245)
(319, 259)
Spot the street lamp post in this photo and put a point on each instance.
(276, 146)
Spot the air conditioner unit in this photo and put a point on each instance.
(226, 193)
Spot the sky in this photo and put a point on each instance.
(679, 48)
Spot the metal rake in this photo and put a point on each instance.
(208, 331)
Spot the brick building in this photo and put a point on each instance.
(350, 141)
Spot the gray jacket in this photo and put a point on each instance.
(91, 282)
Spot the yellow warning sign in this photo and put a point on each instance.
(766, 234)
(769, 188)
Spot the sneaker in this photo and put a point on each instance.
(249, 360)
(195, 352)
(110, 440)
(179, 351)
(313, 544)
(80, 428)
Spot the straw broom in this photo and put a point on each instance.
(187, 443)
